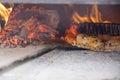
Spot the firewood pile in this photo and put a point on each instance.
(23, 32)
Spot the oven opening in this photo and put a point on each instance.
(59, 40)
(94, 27)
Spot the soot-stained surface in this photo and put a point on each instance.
(69, 65)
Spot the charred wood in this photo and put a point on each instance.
(99, 29)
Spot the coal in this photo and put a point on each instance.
(99, 29)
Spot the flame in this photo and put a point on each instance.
(5, 12)
(79, 19)
(35, 30)
(71, 34)
(72, 30)
(95, 17)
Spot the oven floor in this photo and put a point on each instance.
(68, 65)
(11, 56)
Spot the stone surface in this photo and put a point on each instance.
(68, 65)
(10, 55)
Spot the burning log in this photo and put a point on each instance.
(99, 29)
(26, 32)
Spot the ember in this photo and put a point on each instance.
(72, 32)
(28, 24)
(22, 32)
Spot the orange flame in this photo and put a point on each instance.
(72, 30)
(95, 17)
(71, 34)
(5, 12)
(34, 30)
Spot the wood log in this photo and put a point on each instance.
(95, 29)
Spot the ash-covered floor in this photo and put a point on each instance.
(68, 65)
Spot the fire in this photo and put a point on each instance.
(79, 19)
(42, 28)
(31, 35)
(94, 17)
(20, 32)
(72, 30)
(5, 13)
(71, 34)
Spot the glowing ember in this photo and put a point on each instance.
(31, 35)
(34, 24)
(42, 28)
(20, 32)
(72, 30)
